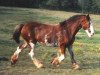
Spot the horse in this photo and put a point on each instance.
(61, 35)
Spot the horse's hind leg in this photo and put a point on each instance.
(37, 63)
(14, 57)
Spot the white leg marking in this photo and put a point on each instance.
(61, 58)
(32, 50)
(45, 39)
(35, 61)
(17, 51)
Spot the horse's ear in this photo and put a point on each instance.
(88, 17)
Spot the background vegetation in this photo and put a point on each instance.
(87, 50)
(84, 6)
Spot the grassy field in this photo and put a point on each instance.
(87, 50)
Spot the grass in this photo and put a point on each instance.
(87, 50)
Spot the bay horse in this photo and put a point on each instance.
(61, 35)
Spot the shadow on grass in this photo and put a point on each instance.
(3, 58)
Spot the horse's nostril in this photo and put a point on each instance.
(93, 34)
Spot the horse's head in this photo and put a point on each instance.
(87, 25)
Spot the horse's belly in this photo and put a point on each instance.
(50, 41)
(54, 44)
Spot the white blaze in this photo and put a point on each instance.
(91, 30)
(88, 33)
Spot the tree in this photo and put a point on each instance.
(89, 6)
(94, 7)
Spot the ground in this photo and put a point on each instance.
(87, 50)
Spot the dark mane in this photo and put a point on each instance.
(70, 19)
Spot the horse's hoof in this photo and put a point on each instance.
(40, 66)
(12, 63)
(55, 61)
(75, 66)
(14, 59)
(37, 63)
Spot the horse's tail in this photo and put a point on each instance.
(17, 32)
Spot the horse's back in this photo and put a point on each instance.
(35, 30)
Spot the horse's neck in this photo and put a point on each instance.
(73, 29)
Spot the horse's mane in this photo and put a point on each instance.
(72, 18)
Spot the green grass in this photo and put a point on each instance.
(87, 50)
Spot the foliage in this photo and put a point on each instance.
(86, 6)
(90, 6)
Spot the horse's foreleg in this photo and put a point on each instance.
(58, 59)
(74, 64)
(14, 57)
(37, 63)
